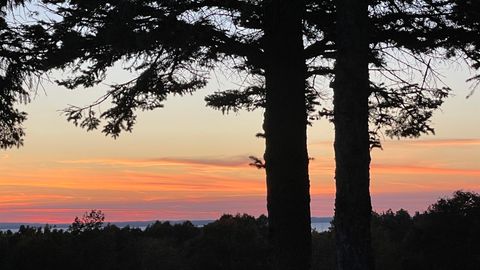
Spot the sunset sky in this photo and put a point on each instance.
(186, 161)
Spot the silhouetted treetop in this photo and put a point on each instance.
(462, 203)
(92, 220)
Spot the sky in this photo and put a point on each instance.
(186, 161)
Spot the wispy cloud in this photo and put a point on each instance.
(15, 201)
(420, 142)
(393, 169)
(442, 142)
(177, 185)
(411, 169)
(198, 187)
(226, 162)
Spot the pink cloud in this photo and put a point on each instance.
(207, 208)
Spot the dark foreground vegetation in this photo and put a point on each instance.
(446, 236)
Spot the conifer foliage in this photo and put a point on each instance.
(12, 76)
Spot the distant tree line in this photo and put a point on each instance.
(446, 236)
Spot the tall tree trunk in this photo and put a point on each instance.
(286, 157)
(352, 149)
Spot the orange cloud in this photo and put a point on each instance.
(136, 189)
(230, 162)
(409, 169)
(327, 167)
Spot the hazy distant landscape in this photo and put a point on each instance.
(320, 224)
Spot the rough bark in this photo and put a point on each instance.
(352, 148)
(286, 157)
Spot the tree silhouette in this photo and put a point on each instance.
(285, 126)
(174, 45)
(281, 46)
(421, 28)
(12, 76)
(352, 138)
(88, 222)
